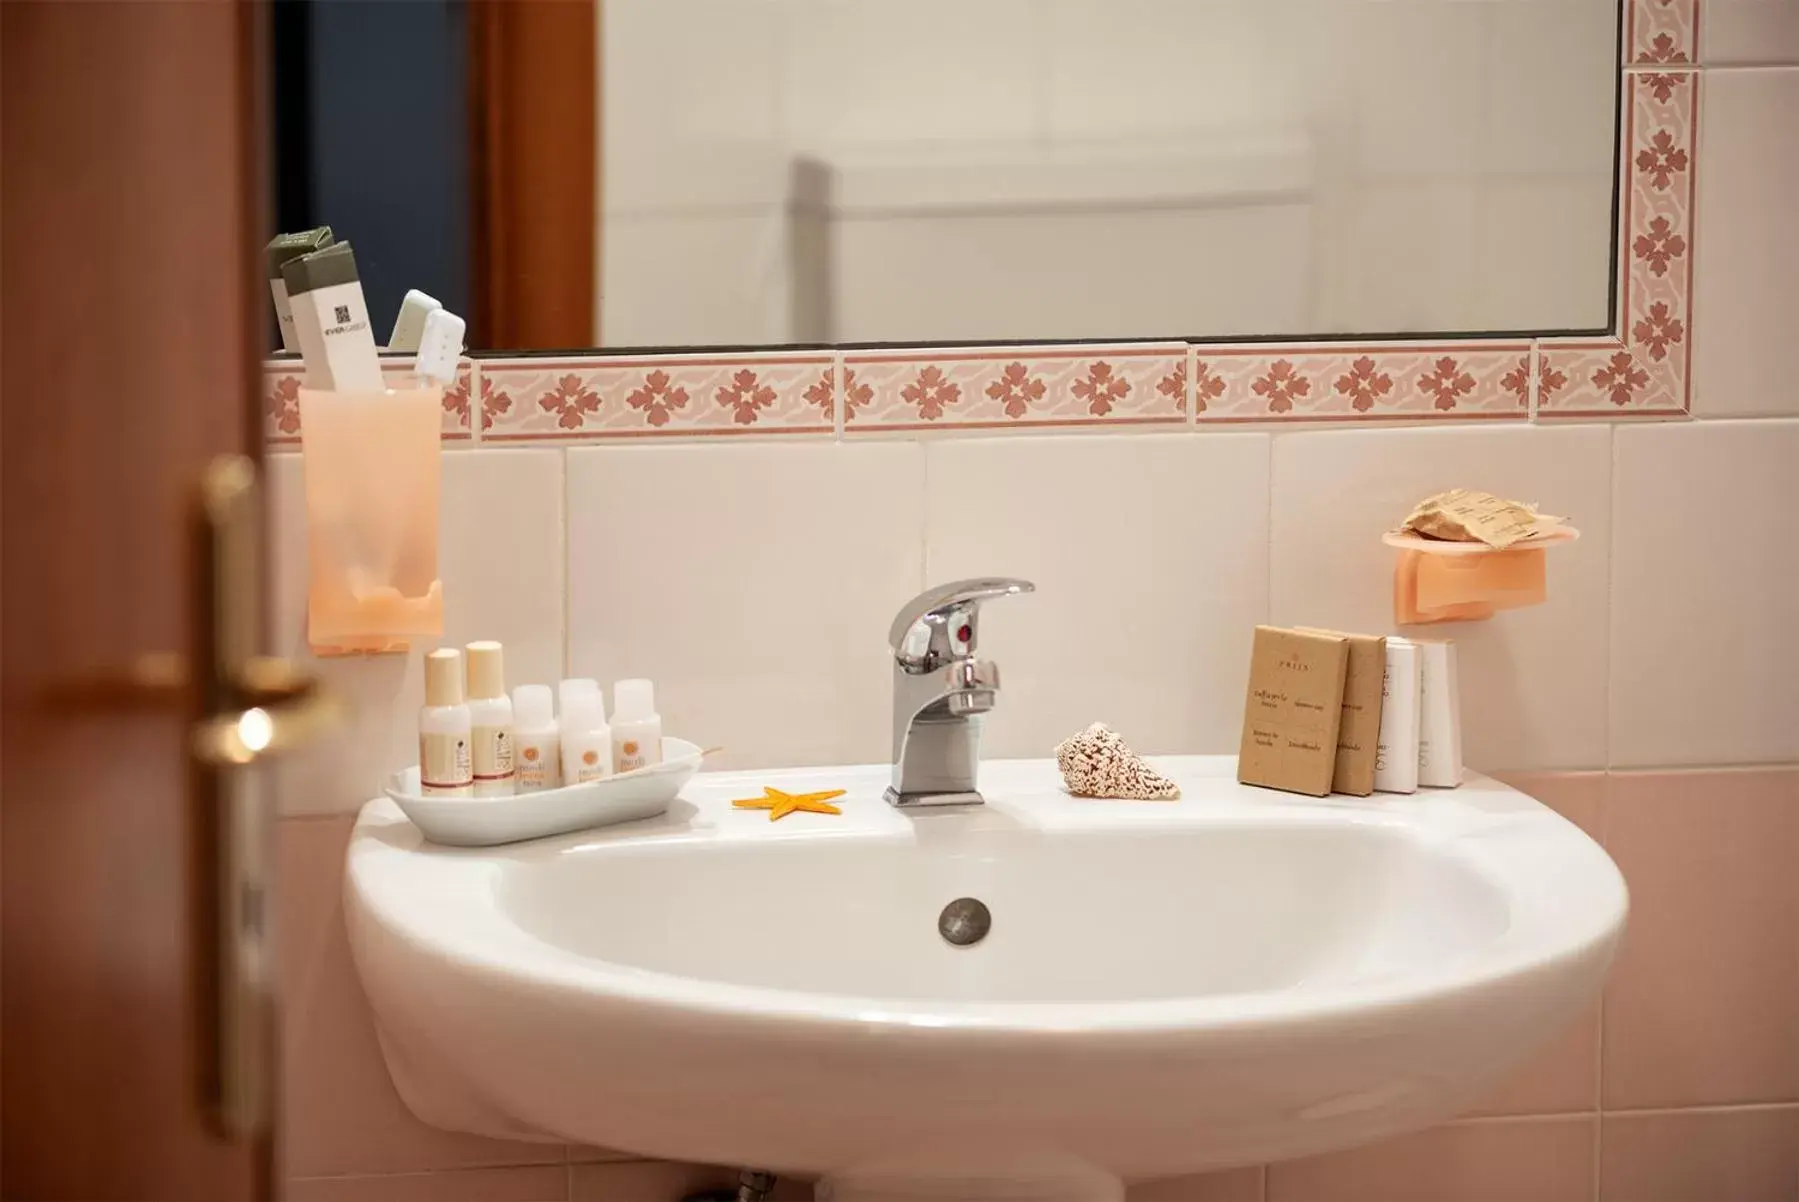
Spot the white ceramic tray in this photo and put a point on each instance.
(485, 821)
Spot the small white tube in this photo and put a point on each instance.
(1439, 715)
(1396, 754)
(409, 324)
(537, 750)
(439, 348)
(586, 739)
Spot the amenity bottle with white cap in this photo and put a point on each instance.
(586, 740)
(636, 726)
(490, 712)
(444, 764)
(537, 749)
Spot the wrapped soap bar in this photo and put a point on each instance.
(1294, 710)
(1358, 734)
(1465, 516)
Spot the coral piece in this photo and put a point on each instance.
(779, 804)
(1098, 763)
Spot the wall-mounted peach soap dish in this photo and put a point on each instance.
(487, 821)
(1455, 576)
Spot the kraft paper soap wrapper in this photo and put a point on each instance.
(1294, 710)
(1358, 734)
(1463, 515)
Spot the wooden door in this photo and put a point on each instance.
(129, 317)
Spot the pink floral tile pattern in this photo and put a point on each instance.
(1645, 369)
(1662, 31)
(1379, 381)
(997, 388)
(603, 397)
(281, 401)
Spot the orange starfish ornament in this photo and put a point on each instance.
(779, 804)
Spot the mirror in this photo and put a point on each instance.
(665, 173)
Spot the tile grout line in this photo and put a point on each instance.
(476, 411)
(567, 507)
(839, 420)
(1611, 590)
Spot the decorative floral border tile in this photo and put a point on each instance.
(1371, 382)
(1662, 31)
(998, 388)
(281, 401)
(598, 397)
(1645, 369)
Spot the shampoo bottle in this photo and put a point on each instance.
(444, 763)
(490, 712)
(586, 742)
(636, 726)
(536, 745)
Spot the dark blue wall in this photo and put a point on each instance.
(386, 84)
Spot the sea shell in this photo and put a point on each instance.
(1098, 763)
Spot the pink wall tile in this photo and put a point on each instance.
(1745, 308)
(1703, 1002)
(341, 1114)
(1541, 1160)
(1231, 1185)
(518, 1183)
(1701, 1156)
(1564, 1075)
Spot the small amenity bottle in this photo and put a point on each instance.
(536, 747)
(636, 726)
(586, 742)
(490, 712)
(444, 764)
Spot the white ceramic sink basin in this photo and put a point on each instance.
(1168, 987)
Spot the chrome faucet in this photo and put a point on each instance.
(939, 687)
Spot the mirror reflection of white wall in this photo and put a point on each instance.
(781, 171)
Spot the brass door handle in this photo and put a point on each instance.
(283, 710)
(240, 708)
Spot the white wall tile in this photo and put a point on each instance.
(1130, 68)
(1705, 646)
(1408, 50)
(1533, 680)
(662, 82)
(1749, 31)
(1745, 304)
(1004, 274)
(500, 558)
(754, 584)
(1149, 555)
(699, 279)
(1554, 71)
(857, 74)
(1558, 278)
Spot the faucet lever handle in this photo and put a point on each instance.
(912, 633)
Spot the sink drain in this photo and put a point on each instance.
(964, 921)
